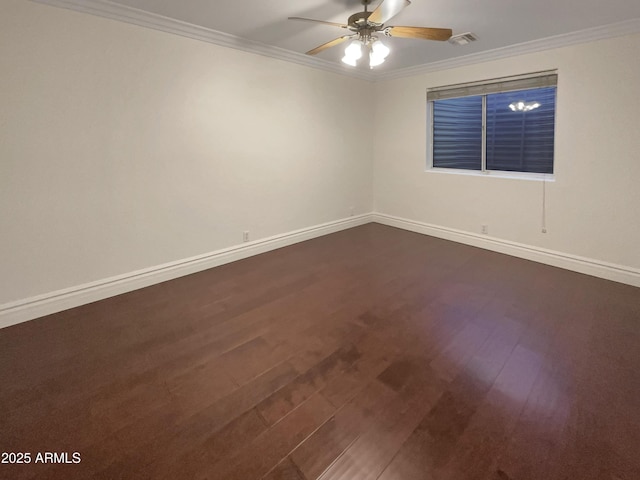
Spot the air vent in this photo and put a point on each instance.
(463, 39)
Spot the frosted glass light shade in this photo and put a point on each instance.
(379, 49)
(349, 60)
(354, 50)
(375, 60)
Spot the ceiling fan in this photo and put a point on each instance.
(366, 25)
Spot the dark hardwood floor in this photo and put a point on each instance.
(372, 353)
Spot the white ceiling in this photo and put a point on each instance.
(497, 23)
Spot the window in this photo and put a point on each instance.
(499, 126)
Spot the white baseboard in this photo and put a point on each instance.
(34, 307)
(596, 268)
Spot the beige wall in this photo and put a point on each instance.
(593, 207)
(123, 148)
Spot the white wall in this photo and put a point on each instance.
(593, 207)
(123, 148)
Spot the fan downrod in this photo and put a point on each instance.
(358, 21)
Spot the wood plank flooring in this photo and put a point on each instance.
(372, 353)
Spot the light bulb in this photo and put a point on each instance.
(379, 49)
(349, 60)
(354, 50)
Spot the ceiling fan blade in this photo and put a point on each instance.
(387, 10)
(333, 24)
(424, 33)
(330, 44)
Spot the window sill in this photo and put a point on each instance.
(549, 177)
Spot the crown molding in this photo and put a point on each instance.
(619, 29)
(123, 13)
(142, 18)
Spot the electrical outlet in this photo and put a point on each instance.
(485, 229)
(245, 236)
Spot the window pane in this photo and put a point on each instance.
(521, 140)
(457, 133)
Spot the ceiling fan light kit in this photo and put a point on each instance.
(378, 52)
(365, 25)
(522, 106)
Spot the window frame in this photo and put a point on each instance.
(484, 172)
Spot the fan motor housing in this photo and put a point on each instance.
(358, 19)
